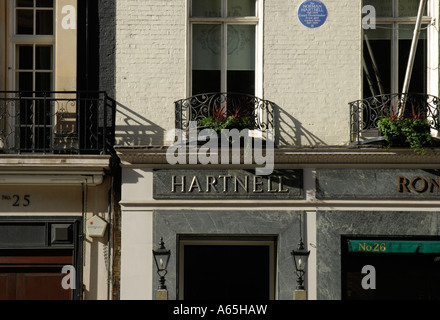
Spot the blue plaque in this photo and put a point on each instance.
(312, 13)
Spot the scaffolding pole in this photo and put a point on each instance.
(412, 55)
(375, 68)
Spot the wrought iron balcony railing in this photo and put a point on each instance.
(365, 113)
(259, 113)
(56, 122)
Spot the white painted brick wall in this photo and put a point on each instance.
(311, 74)
(150, 68)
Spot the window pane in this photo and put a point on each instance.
(241, 81)
(25, 22)
(205, 81)
(377, 61)
(206, 58)
(24, 57)
(24, 81)
(241, 8)
(44, 22)
(44, 3)
(206, 47)
(43, 81)
(408, 8)
(418, 75)
(206, 8)
(42, 139)
(383, 7)
(42, 112)
(25, 3)
(25, 138)
(241, 47)
(43, 57)
(241, 58)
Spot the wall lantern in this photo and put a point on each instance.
(300, 257)
(161, 258)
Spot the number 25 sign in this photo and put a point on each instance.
(17, 200)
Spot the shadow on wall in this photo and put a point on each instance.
(133, 129)
(107, 45)
(290, 132)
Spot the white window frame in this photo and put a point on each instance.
(15, 39)
(432, 44)
(64, 54)
(12, 40)
(224, 21)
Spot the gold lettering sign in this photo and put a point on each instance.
(372, 247)
(222, 183)
(417, 184)
(227, 184)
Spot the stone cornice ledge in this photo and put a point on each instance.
(303, 157)
(53, 169)
(54, 162)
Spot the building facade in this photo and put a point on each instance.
(111, 120)
(302, 73)
(56, 154)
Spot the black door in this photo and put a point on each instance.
(227, 271)
(390, 275)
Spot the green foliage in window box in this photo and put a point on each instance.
(414, 132)
(236, 118)
(229, 122)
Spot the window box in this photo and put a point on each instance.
(225, 111)
(413, 132)
(414, 128)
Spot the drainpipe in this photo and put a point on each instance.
(412, 55)
(84, 189)
(109, 242)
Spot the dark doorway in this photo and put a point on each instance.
(225, 269)
(398, 275)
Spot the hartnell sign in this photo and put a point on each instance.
(227, 184)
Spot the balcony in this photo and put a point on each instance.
(258, 114)
(365, 113)
(56, 122)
